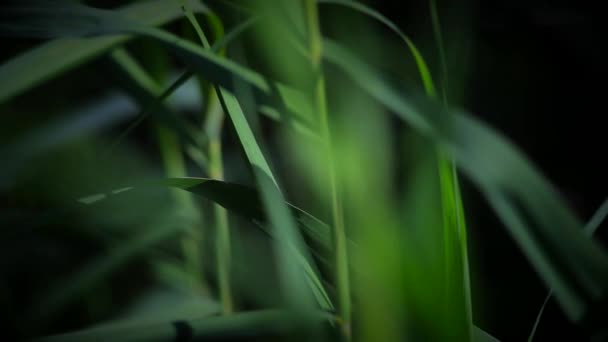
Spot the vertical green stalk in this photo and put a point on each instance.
(457, 278)
(174, 167)
(338, 234)
(213, 128)
(216, 171)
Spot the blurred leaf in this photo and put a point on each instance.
(547, 231)
(50, 59)
(289, 246)
(592, 225)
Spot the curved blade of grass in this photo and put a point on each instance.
(455, 228)
(283, 226)
(575, 266)
(50, 59)
(246, 202)
(425, 74)
(594, 223)
(263, 324)
(457, 283)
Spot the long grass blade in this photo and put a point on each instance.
(246, 202)
(458, 289)
(282, 223)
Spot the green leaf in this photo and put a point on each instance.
(289, 247)
(246, 202)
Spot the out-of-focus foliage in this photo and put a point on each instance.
(295, 190)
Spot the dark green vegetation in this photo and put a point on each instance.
(273, 183)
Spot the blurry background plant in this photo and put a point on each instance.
(176, 169)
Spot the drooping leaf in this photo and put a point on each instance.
(547, 231)
(246, 202)
(592, 225)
